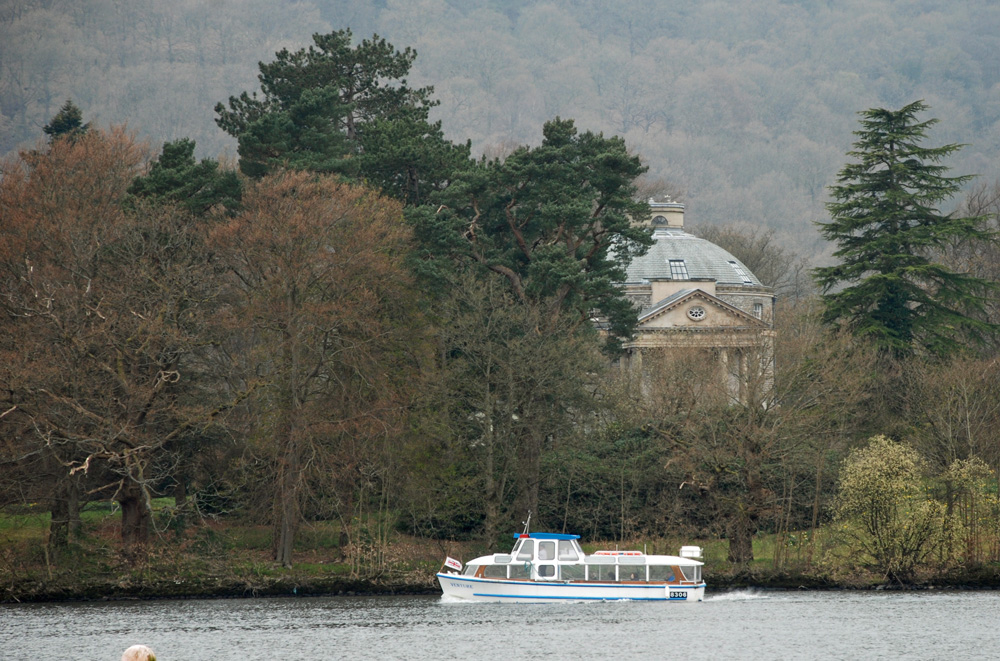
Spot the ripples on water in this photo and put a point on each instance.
(745, 624)
(737, 595)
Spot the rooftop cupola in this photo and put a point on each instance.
(666, 213)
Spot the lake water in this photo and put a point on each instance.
(737, 625)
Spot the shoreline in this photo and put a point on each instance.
(413, 584)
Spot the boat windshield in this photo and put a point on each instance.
(691, 573)
(568, 549)
(527, 550)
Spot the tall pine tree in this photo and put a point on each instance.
(347, 110)
(886, 224)
(554, 221)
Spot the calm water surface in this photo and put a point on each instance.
(739, 625)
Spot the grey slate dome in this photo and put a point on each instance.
(693, 257)
(691, 295)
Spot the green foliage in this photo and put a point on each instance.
(197, 186)
(507, 393)
(885, 221)
(975, 507)
(611, 484)
(553, 221)
(887, 509)
(408, 158)
(335, 108)
(68, 122)
(299, 135)
(444, 497)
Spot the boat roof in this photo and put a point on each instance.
(545, 535)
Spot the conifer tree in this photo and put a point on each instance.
(67, 122)
(347, 110)
(197, 186)
(554, 221)
(886, 223)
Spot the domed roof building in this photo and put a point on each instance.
(692, 293)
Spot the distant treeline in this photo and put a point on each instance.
(745, 110)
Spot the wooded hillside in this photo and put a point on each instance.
(744, 108)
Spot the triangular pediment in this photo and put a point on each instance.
(695, 309)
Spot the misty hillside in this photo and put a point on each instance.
(745, 110)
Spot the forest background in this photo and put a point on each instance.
(745, 110)
(744, 115)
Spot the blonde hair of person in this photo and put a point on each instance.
(138, 653)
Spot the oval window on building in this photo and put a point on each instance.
(696, 313)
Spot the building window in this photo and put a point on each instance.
(696, 313)
(758, 310)
(741, 273)
(678, 270)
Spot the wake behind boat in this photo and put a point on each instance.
(546, 567)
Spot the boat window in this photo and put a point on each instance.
(690, 573)
(661, 573)
(632, 572)
(495, 571)
(546, 571)
(502, 558)
(470, 570)
(527, 550)
(566, 550)
(600, 573)
(572, 572)
(522, 570)
(546, 550)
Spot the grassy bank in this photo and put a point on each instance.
(232, 559)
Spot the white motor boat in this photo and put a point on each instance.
(548, 567)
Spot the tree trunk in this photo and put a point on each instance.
(814, 524)
(286, 505)
(180, 491)
(491, 490)
(59, 523)
(744, 524)
(286, 495)
(135, 519)
(64, 523)
(180, 494)
(741, 540)
(531, 472)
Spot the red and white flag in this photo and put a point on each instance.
(452, 563)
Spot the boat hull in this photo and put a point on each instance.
(470, 588)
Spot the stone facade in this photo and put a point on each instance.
(692, 294)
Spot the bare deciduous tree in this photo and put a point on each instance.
(104, 304)
(318, 311)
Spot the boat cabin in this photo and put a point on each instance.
(559, 557)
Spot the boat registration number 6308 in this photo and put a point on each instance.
(678, 595)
